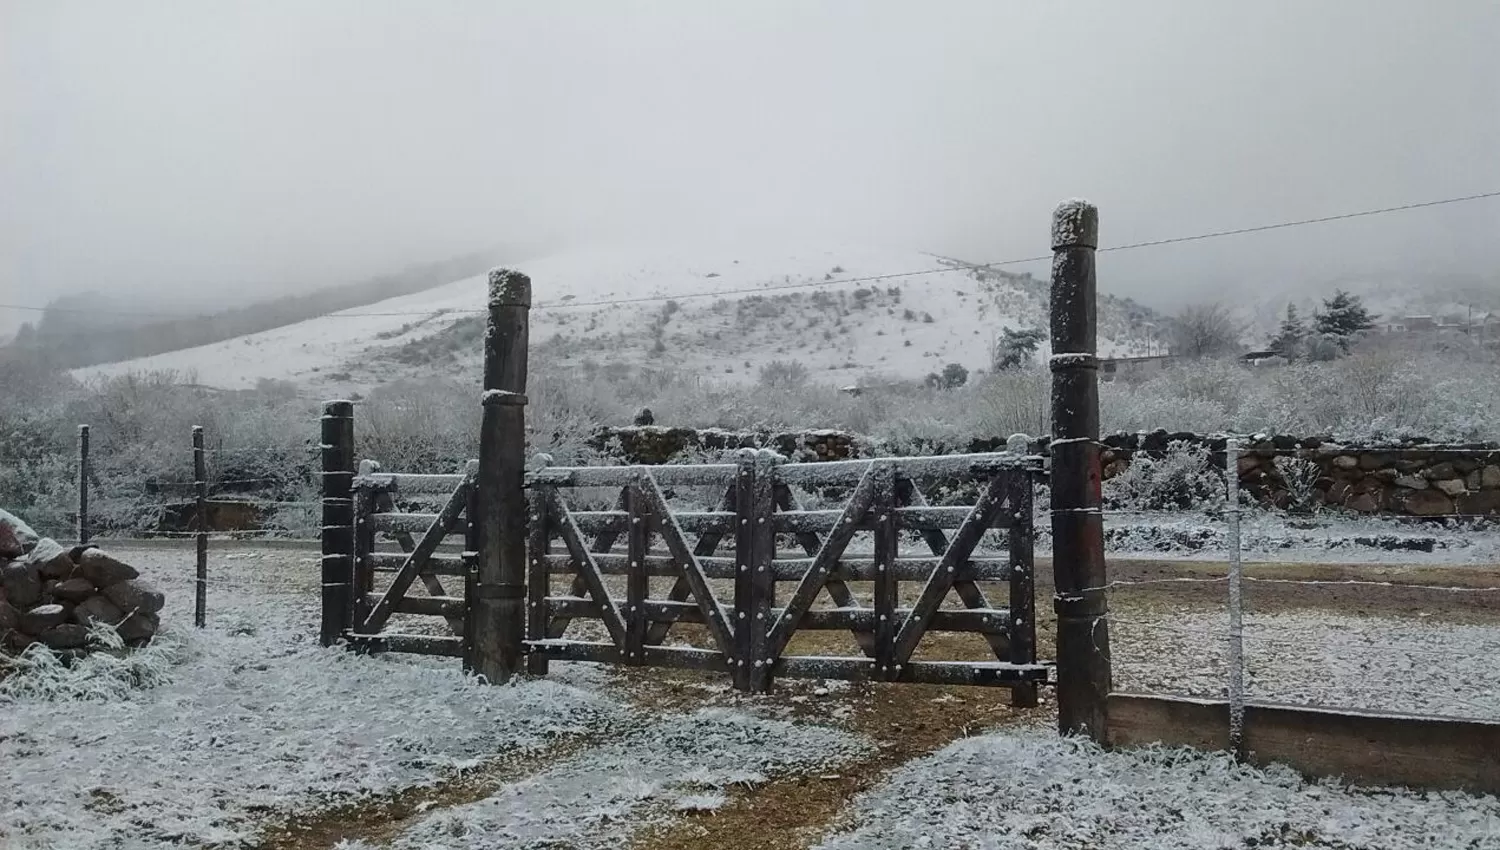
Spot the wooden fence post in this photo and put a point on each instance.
(83, 485)
(200, 513)
(338, 518)
(1078, 570)
(499, 604)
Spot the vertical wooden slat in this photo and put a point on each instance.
(471, 570)
(1078, 569)
(744, 584)
(637, 579)
(887, 544)
(538, 580)
(338, 515)
(762, 579)
(364, 543)
(499, 605)
(83, 485)
(200, 540)
(1022, 585)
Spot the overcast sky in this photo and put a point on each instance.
(264, 145)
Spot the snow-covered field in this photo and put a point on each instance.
(943, 317)
(253, 723)
(1030, 789)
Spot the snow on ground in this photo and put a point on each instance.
(1031, 789)
(256, 717)
(1332, 660)
(1273, 537)
(597, 799)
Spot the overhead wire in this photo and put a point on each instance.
(950, 266)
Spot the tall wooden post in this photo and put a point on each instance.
(1078, 571)
(338, 518)
(200, 513)
(83, 485)
(499, 603)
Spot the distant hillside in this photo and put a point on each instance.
(90, 328)
(815, 310)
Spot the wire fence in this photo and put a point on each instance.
(1415, 636)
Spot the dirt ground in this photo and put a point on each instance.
(909, 721)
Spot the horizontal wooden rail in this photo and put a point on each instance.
(792, 569)
(410, 483)
(417, 644)
(983, 620)
(848, 472)
(438, 565)
(436, 606)
(667, 475)
(922, 672)
(789, 522)
(681, 657)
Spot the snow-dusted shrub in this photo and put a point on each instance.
(1299, 475)
(109, 673)
(1184, 477)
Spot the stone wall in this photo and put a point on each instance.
(1412, 478)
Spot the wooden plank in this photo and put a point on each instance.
(671, 534)
(794, 569)
(433, 606)
(744, 589)
(1021, 633)
(708, 543)
(991, 621)
(402, 523)
(837, 589)
(437, 565)
(759, 515)
(848, 472)
(364, 545)
(969, 592)
(680, 657)
(701, 522)
(666, 475)
(989, 504)
(401, 582)
(887, 548)
(588, 569)
(876, 475)
(1361, 747)
(637, 580)
(410, 483)
(444, 645)
(919, 672)
(538, 579)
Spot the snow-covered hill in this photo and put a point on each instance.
(721, 312)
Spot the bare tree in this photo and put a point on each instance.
(1205, 330)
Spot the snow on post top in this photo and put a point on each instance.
(509, 287)
(1075, 223)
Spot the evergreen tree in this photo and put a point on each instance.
(1289, 338)
(1343, 317)
(1015, 348)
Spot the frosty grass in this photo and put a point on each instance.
(1031, 790)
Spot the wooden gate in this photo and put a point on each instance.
(384, 579)
(724, 609)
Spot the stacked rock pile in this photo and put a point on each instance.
(52, 595)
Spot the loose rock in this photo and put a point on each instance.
(136, 595)
(139, 627)
(22, 583)
(52, 559)
(10, 618)
(103, 570)
(74, 590)
(65, 636)
(42, 618)
(97, 609)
